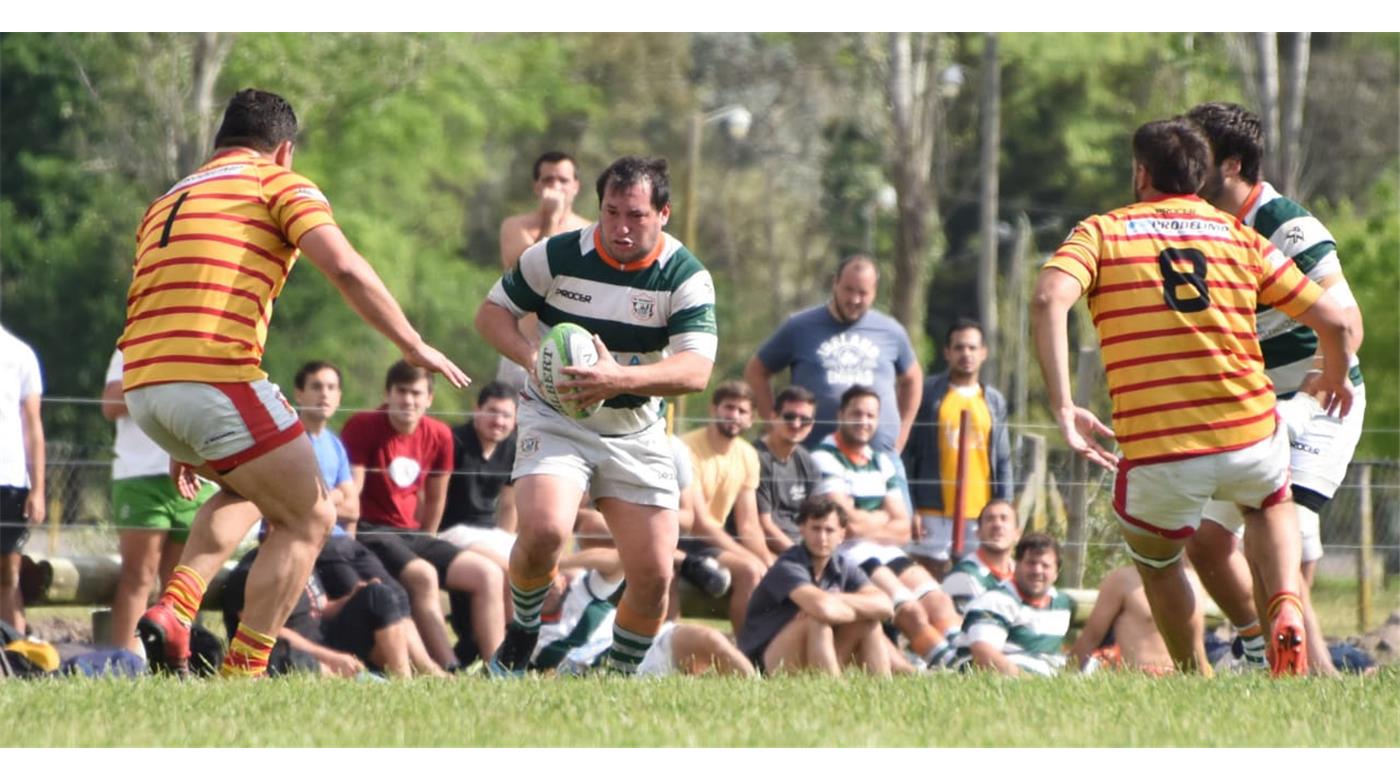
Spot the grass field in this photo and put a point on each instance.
(930, 711)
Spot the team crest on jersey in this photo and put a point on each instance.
(643, 307)
(529, 446)
(1293, 237)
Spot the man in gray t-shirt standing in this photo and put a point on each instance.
(840, 343)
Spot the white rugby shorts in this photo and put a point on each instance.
(223, 424)
(465, 537)
(638, 468)
(1320, 450)
(1168, 497)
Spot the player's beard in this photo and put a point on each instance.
(1213, 185)
(729, 430)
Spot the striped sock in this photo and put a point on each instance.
(527, 595)
(183, 593)
(1252, 641)
(928, 644)
(247, 653)
(632, 638)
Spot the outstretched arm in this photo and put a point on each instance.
(1055, 294)
(330, 251)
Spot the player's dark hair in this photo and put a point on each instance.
(850, 260)
(1233, 131)
(793, 394)
(494, 391)
(999, 502)
(553, 157)
(732, 390)
(313, 367)
(1176, 154)
(629, 171)
(857, 391)
(961, 324)
(405, 373)
(258, 120)
(1037, 543)
(817, 507)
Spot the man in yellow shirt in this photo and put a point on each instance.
(727, 473)
(931, 457)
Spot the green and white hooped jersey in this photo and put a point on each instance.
(866, 483)
(1288, 346)
(642, 316)
(1001, 618)
(969, 579)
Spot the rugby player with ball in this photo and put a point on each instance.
(626, 316)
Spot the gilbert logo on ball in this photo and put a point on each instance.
(566, 344)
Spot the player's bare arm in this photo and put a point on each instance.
(496, 324)
(1106, 609)
(822, 606)
(759, 379)
(328, 249)
(1055, 294)
(869, 603)
(35, 508)
(988, 656)
(908, 392)
(678, 374)
(863, 523)
(1332, 388)
(434, 499)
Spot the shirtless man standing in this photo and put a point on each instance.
(556, 185)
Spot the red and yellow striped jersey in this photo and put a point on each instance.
(1173, 285)
(212, 255)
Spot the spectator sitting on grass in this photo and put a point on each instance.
(1019, 626)
(342, 624)
(991, 563)
(865, 483)
(584, 632)
(814, 609)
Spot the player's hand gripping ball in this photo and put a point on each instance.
(566, 344)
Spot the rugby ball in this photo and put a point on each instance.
(566, 344)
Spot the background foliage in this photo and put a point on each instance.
(423, 144)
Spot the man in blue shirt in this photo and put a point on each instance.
(318, 398)
(841, 343)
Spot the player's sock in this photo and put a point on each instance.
(183, 594)
(1253, 642)
(632, 638)
(247, 653)
(527, 595)
(929, 645)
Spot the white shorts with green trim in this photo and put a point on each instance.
(638, 467)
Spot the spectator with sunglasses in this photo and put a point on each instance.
(787, 472)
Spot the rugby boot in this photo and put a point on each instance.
(1288, 650)
(166, 641)
(512, 658)
(705, 573)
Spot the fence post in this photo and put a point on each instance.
(1031, 506)
(1364, 551)
(960, 489)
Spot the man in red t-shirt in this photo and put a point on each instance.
(401, 460)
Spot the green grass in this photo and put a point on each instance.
(941, 710)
